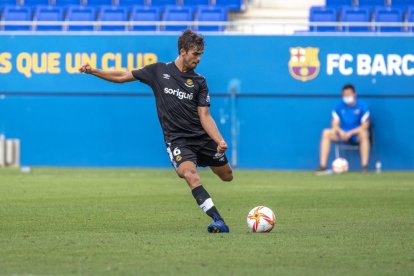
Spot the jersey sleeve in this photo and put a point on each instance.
(335, 113)
(146, 74)
(203, 96)
(365, 114)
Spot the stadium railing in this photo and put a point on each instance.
(233, 27)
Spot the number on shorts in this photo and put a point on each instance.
(176, 151)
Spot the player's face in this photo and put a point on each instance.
(192, 57)
(348, 96)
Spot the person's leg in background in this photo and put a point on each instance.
(364, 148)
(328, 135)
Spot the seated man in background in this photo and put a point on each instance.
(350, 123)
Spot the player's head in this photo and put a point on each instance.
(349, 94)
(190, 48)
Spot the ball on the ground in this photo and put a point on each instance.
(261, 219)
(340, 165)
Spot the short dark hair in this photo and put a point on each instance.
(189, 40)
(349, 86)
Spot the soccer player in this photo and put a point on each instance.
(183, 105)
(350, 123)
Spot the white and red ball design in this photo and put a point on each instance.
(261, 219)
(340, 165)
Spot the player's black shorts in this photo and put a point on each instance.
(201, 154)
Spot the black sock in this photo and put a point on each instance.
(204, 201)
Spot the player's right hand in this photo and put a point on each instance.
(341, 134)
(85, 68)
(222, 146)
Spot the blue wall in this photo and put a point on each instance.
(280, 117)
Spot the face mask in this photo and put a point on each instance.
(348, 99)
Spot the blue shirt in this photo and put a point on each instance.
(351, 117)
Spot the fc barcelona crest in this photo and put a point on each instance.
(304, 63)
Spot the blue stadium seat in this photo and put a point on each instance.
(410, 17)
(131, 3)
(391, 15)
(4, 3)
(32, 3)
(231, 5)
(163, 3)
(211, 14)
(372, 2)
(356, 14)
(338, 3)
(64, 3)
(323, 14)
(142, 13)
(404, 3)
(99, 3)
(17, 13)
(81, 13)
(48, 13)
(178, 14)
(112, 13)
(196, 3)
(8, 3)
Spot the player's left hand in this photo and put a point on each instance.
(347, 136)
(222, 146)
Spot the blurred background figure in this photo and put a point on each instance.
(350, 123)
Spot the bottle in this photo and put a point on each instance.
(25, 169)
(378, 166)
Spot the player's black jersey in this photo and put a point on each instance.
(177, 94)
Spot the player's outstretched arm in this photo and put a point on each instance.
(113, 76)
(210, 127)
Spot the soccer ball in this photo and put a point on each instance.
(340, 165)
(261, 219)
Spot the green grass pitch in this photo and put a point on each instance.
(145, 222)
